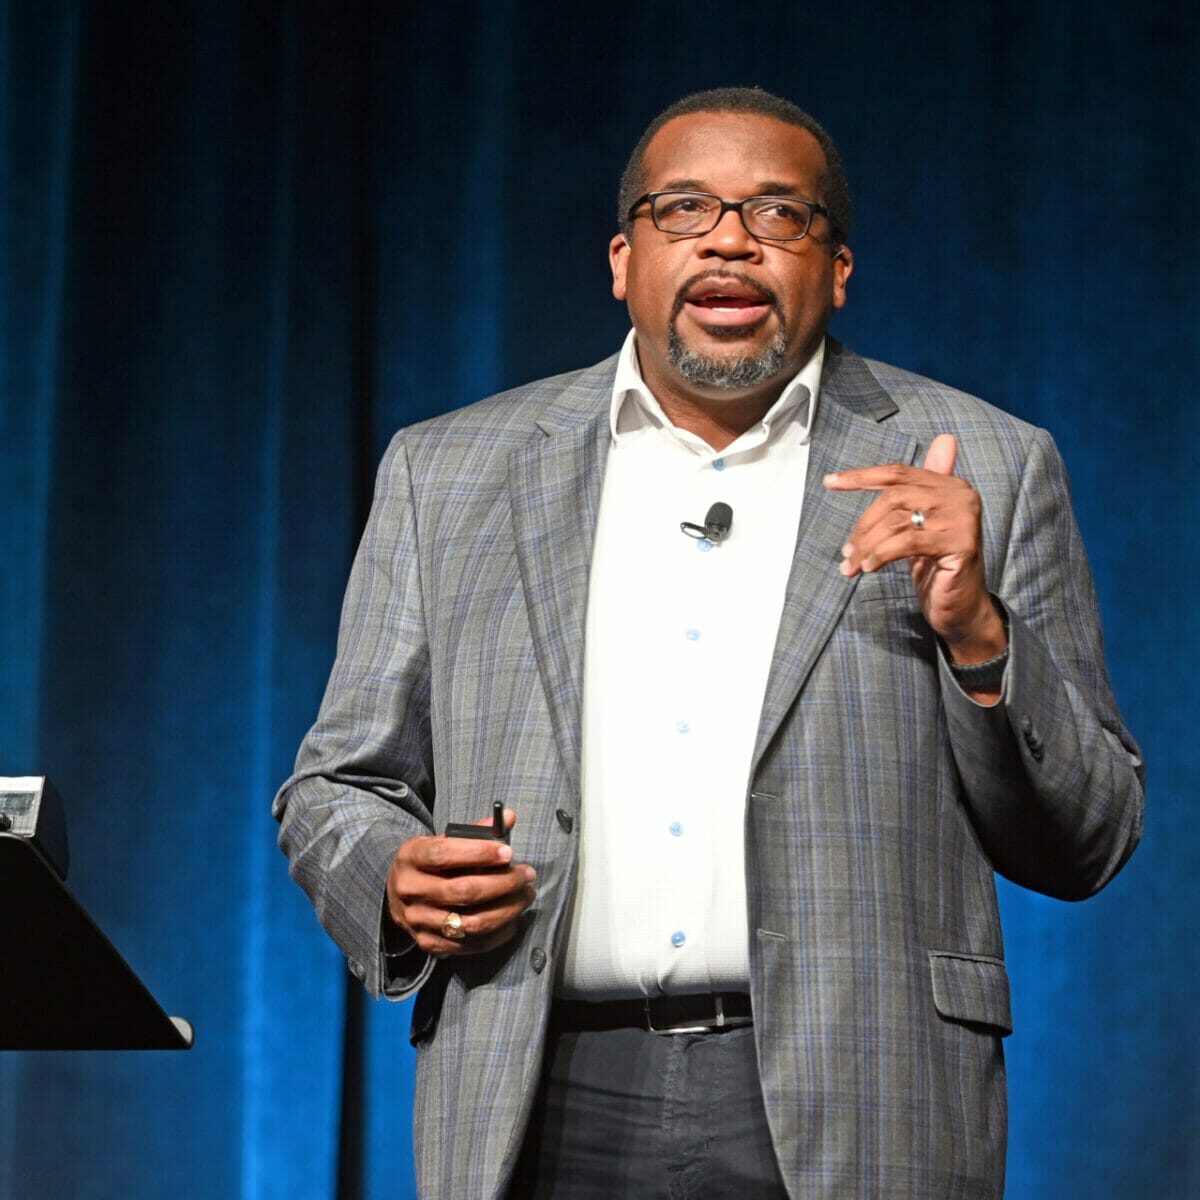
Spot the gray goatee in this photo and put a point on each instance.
(726, 374)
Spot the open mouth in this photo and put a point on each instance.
(727, 302)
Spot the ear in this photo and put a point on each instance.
(618, 260)
(843, 268)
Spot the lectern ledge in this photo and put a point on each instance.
(63, 985)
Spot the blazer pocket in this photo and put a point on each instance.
(971, 988)
(891, 584)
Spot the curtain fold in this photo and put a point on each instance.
(38, 71)
(242, 244)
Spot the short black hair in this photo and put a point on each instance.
(742, 100)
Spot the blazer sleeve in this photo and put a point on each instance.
(363, 781)
(1052, 779)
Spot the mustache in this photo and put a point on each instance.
(760, 290)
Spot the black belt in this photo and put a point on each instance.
(658, 1014)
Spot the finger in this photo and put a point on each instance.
(859, 553)
(889, 539)
(440, 947)
(455, 854)
(473, 890)
(942, 452)
(499, 938)
(901, 545)
(407, 887)
(891, 508)
(427, 926)
(944, 537)
(939, 463)
(510, 819)
(891, 512)
(482, 929)
(855, 479)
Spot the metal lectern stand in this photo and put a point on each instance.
(63, 985)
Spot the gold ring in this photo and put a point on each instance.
(452, 927)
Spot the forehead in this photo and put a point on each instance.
(733, 152)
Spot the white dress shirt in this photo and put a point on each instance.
(680, 638)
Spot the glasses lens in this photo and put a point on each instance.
(777, 217)
(685, 212)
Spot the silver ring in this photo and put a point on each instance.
(917, 517)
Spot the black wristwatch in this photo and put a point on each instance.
(977, 676)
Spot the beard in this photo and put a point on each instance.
(724, 373)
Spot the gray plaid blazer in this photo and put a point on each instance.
(880, 802)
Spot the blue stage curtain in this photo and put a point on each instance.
(242, 243)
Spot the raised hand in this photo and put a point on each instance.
(931, 517)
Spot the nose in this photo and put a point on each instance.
(729, 239)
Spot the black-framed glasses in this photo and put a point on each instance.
(772, 218)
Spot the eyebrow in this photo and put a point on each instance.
(769, 187)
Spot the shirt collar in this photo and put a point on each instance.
(634, 407)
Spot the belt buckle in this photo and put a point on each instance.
(717, 1022)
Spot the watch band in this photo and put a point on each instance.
(986, 674)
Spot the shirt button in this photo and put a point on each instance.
(718, 464)
(678, 938)
(682, 727)
(565, 819)
(692, 635)
(675, 828)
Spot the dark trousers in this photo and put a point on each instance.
(645, 1116)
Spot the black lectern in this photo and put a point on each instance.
(63, 985)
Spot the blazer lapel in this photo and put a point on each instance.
(847, 432)
(554, 489)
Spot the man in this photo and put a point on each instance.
(757, 780)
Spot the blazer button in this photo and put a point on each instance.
(537, 959)
(565, 820)
(356, 968)
(1037, 748)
